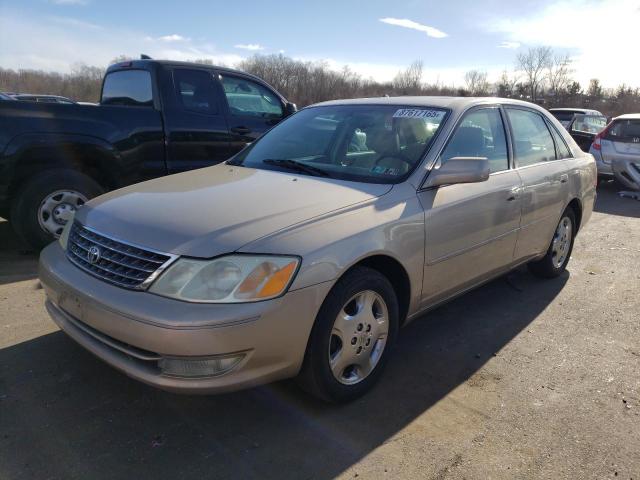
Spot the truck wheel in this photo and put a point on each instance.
(47, 201)
(352, 337)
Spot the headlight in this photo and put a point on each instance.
(229, 279)
(64, 236)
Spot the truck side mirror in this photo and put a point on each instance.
(289, 109)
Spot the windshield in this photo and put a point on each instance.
(589, 123)
(366, 143)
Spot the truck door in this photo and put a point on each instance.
(251, 109)
(196, 129)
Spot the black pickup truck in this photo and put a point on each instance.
(154, 118)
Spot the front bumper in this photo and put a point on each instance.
(131, 330)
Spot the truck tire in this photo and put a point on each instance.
(44, 203)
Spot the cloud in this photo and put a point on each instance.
(173, 38)
(249, 46)
(57, 43)
(509, 45)
(403, 22)
(597, 35)
(74, 22)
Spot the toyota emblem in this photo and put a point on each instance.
(93, 255)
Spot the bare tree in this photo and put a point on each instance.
(409, 80)
(506, 86)
(533, 64)
(559, 75)
(476, 82)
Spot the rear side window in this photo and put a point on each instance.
(625, 131)
(247, 98)
(589, 123)
(195, 90)
(128, 87)
(480, 134)
(564, 117)
(561, 146)
(532, 141)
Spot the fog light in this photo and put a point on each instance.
(202, 367)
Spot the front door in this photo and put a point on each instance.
(197, 134)
(252, 109)
(471, 229)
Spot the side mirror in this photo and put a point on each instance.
(289, 109)
(459, 170)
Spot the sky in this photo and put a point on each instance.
(376, 38)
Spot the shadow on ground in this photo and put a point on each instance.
(17, 262)
(64, 414)
(610, 202)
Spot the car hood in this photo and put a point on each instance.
(216, 210)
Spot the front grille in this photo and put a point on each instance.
(113, 261)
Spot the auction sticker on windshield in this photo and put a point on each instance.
(418, 113)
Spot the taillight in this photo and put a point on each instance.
(596, 141)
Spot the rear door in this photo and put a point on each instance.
(584, 129)
(251, 109)
(541, 158)
(196, 128)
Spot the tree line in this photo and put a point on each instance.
(539, 75)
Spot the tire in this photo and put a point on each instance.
(356, 290)
(29, 216)
(550, 266)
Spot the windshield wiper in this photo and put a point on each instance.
(295, 165)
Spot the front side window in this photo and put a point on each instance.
(480, 134)
(195, 90)
(128, 87)
(532, 141)
(247, 98)
(367, 143)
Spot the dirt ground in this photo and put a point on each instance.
(522, 378)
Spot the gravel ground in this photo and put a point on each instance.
(522, 378)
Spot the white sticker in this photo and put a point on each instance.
(418, 113)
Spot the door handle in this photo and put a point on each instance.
(564, 178)
(511, 198)
(240, 130)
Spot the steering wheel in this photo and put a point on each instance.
(399, 156)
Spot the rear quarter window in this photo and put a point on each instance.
(128, 87)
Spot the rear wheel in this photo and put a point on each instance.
(559, 252)
(47, 201)
(352, 336)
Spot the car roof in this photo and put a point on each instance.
(145, 63)
(575, 110)
(453, 103)
(628, 116)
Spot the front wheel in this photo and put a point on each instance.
(557, 257)
(352, 336)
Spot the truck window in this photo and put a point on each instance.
(195, 90)
(128, 87)
(247, 98)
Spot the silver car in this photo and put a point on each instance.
(304, 254)
(617, 150)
